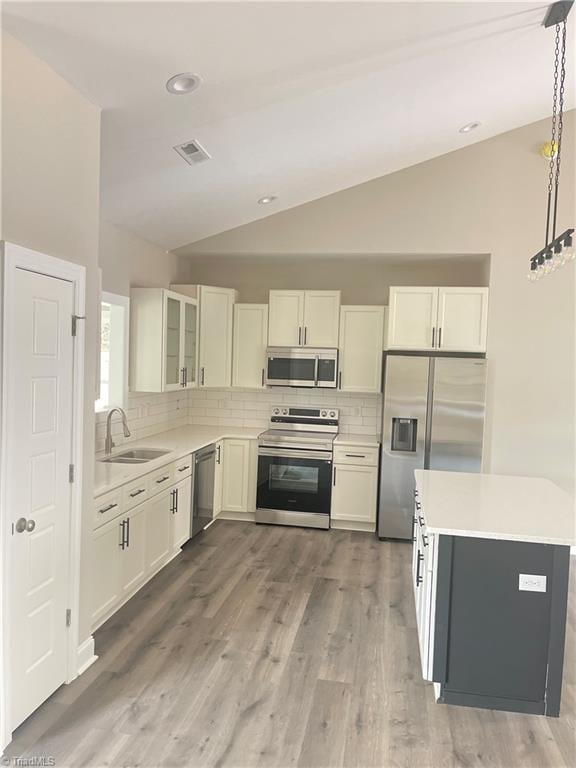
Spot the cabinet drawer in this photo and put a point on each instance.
(161, 479)
(107, 507)
(183, 468)
(135, 493)
(360, 456)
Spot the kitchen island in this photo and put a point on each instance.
(491, 557)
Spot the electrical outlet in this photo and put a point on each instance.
(530, 582)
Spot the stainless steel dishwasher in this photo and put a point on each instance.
(203, 497)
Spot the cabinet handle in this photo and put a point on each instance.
(414, 521)
(334, 478)
(128, 532)
(419, 579)
(162, 479)
(176, 501)
(299, 335)
(424, 540)
(137, 493)
(439, 337)
(202, 376)
(355, 455)
(184, 468)
(417, 504)
(218, 457)
(181, 377)
(433, 335)
(123, 543)
(305, 334)
(340, 380)
(421, 521)
(107, 509)
(263, 374)
(186, 377)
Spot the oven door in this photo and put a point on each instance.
(294, 481)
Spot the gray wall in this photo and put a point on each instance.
(486, 199)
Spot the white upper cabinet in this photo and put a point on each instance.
(412, 318)
(462, 319)
(361, 346)
(449, 319)
(163, 335)
(286, 318)
(249, 349)
(304, 318)
(216, 308)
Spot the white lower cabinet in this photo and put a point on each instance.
(105, 586)
(354, 488)
(236, 476)
(158, 528)
(180, 510)
(132, 560)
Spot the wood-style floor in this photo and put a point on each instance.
(268, 646)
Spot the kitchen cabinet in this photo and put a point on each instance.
(249, 348)
(361, 347)
(132, 553)
(447, 319)
(462, 319)
(105, 584)
(236, 475)
(218, 473)
(180, 511)
(158, 530)
(163, 340)
(303, 318)
(216, 313)
(354, 487)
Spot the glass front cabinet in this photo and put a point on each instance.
(164, 334)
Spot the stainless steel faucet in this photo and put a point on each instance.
(109, 444)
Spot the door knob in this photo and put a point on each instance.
(25, 525)
(30, 525)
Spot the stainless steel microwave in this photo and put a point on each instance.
(301, 367)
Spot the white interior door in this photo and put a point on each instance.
(39, 433)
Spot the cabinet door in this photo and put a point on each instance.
(189, 342)
(361, 346)
(218, 473)
(158, 527)
(235, 474)
(354, 493)
(216, 317)
(250, 340)
(172, 341)
(462, 319)
(132, 557)
(286, 319)
(105, 583)
(321, 318)
(412, 318)
(180, 532)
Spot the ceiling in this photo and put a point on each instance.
(298, 99)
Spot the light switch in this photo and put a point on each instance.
(530, 582)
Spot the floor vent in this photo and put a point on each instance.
(193, 152)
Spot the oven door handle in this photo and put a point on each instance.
(296, 454)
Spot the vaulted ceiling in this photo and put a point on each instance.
(298, 99)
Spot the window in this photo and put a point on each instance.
(113, 361)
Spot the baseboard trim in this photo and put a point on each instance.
(353, 525)
(245, 517)
(85, 655)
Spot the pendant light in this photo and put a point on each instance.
(558, 249)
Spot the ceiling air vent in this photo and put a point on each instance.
(193, 152)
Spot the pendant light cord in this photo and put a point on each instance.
(560, 115)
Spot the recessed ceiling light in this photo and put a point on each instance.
(469, 127)
(267, 199)
(184, 83)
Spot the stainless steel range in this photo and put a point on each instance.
(295, 467)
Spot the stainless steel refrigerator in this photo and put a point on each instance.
(432, 418)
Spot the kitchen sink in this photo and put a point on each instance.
(135, 456)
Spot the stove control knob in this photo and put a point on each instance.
(332, 414)
(323, 413)
(276, 411)
(284, 411)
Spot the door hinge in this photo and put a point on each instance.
(71, 473)
(68, 617)
(75, 319)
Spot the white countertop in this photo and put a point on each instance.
(496, 507)
(366, 441)
(178, 442)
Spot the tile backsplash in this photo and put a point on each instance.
(150, 413)
(359, 413)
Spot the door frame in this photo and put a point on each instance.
(12, 258)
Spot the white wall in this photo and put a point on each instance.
(486, 199)
(50, 202)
